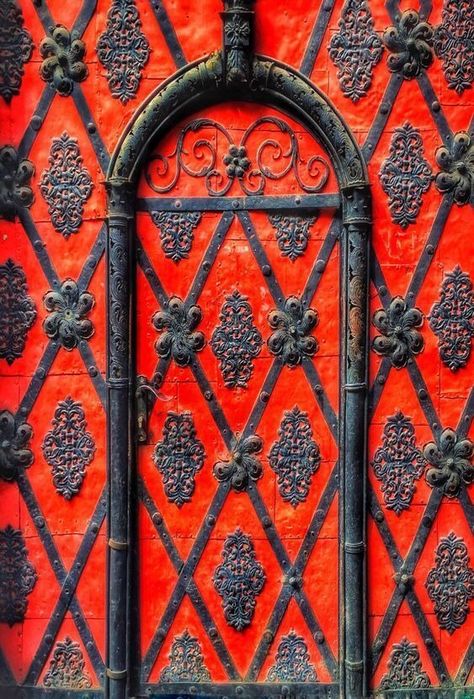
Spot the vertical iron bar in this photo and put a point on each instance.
(120, 218)
(356, 220)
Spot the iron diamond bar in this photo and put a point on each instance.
(17, 46)
(238, 18)
(120, 218)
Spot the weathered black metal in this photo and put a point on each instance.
(206, 82)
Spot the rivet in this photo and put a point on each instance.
(157, 518)
(39, 521)
(430, 249)
(208, 395)
(268, 636)
(239, 690)
(267, 270)
(213, 632)
(149, 271)
(206, 265)
(428, 641)
(264, 396)
(41, 372)
(422, 393)
(36, 122)
(267, 522)
(38, 245)
(91, 127)
(235, 204)
(382, 290)
(319, 637)
(48, 638)
(435, 106)
(384, 108)
(91, 261)
(427, 522)
(381, 379)
(320, 265)
(379, 516)
(211, 520)
(177, 204)
(94, 528)
(92, 371)
(318, 388)
(297, 200)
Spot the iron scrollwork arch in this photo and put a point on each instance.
(235, 73)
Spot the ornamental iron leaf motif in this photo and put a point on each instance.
(450, 463)
(179, 338)
(457, 168)
(400, 339)
(404, 668)
(292, 661)
(450, 583)
(292, 233)
(17, 576)
(236, 341)
(15, 176)
(62, 65)
(68, 448)
(405, 175)
(178, 457)
(17, 311)
(15, 454)
(16, 47)
(68, 308)
(66, 185)
(239, 580)
(242, 466)
(398, 463)
(123, 50)
(66, 667)
(410, 43)
(295, 457)
(291, 339)
(176, 232)
(222, 162)
(356, 49)
(186, 661)
(454, 43)
(452, 319)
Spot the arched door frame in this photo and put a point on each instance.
(234, 74)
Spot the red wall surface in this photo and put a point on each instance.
(401, 110)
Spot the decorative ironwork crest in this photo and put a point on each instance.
(292, 233)
(400, 339)
(15, 454)
(68, 448)
(66, 667)
(17, 576)
(68, 308)
(404, 668)
(457, 168)
(178, 457)
(450, 463)
(410, 43)
(398, 463)
(239, 580)
(17, 46)
(15, 176)
(236, 341)
(356, 49)
(66, 185)
(295, 457)
(123, 49)
(238, 25)
(17, 311)
(454, 43)
(62, 65)
(179, 338)
(405, 175)
(176, 232)
(243, 466)
(292, 661)
(186, 661)
(452, 319)
(274, 159)
(291, 339)
(450, 583)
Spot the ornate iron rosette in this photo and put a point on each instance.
(67, 322)
(400, 339)
(291, 339)
(410, 43)
(179, 338)
(457, 168)
(450, 463)
(242, 466)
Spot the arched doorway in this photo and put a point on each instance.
(238, 298)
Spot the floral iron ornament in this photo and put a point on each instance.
(15, 177)
(450, 463)
(242, 466)
(400, 339)
(410, 43)
(454, 43)
(405, 670)
(186, 661)
(67, 667)
(62, 65)
(239, 580)
(457, 168)
(179, 338)
(67, 322)
(15, 454)
(450, 583)
(274, 159)
(292, 661)
(17, 311)
(17, 576)
(16, 47)
(291, 339)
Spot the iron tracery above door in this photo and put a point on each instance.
(234, 74)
